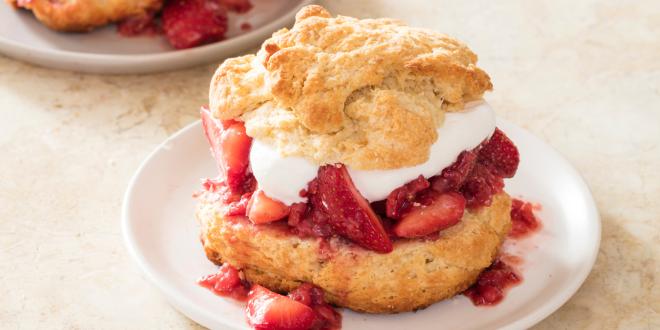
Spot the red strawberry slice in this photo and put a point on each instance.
(190, 23)
(500, 155)
(230, 146)
(267, 310)
(235, 145)
(263, 209)
(444, 211)
(348, 213)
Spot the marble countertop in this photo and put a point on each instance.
(582, 75)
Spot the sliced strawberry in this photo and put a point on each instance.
(267, 310)
(230, 146)
(190, 23)
(500, 155)
(347, 212)
(444, 211)
(235, 153)
(263, 209)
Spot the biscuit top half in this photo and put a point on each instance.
(368, 93)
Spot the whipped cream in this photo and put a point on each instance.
(283, 178)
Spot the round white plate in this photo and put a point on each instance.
(163, 236)
(105, 51)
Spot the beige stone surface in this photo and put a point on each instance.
(582, 75)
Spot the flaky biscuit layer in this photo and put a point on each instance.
(367, 93)
(415, 274)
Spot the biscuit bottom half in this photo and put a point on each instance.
(418, 273)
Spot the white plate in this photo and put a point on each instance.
(162, 235)
(105, 51)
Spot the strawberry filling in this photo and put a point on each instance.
(186, 23)
(335, 207)
(303, 309)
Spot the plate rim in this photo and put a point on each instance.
(202, 54)
(187, 306)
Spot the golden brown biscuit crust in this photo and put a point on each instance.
(367, 93)
(85, 15)
(416, 274)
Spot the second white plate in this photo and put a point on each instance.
(163, 236)
(105, 51)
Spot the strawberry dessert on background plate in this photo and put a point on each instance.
(355, 165)
(150, 35)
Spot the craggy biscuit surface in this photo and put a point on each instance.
(84, 15)
(367, 93)
(415, 274)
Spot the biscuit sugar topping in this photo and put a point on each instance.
(366, 93)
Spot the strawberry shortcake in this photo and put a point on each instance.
(358, 158)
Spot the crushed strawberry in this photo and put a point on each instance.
(327, 318)
(401, 199)
(454, 176)
(226, 282)
(523, 221)
(480, 186)
(500, 155)
(296, 214)
(307, 220)
(491, 286)
(190, 23)
(343, 207)
(303, 309)
(144, 24)
(233, 202)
